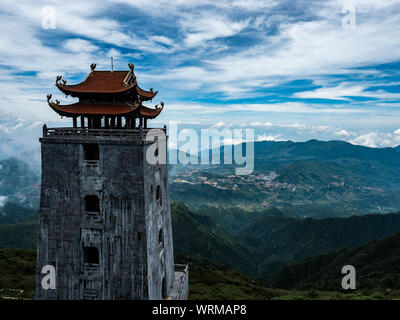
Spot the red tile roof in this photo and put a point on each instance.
(105, 82)
(149, 113)
(78, 109)
(146, 94)
(99, 82)
(92, 109)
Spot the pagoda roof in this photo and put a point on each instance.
(78, 109)
(149, 112)
(99, 82)
(106, 82)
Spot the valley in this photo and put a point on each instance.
(282, 231)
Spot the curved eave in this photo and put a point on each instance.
(145, 95)
(74, 90)
(77, 109)
(149, 113)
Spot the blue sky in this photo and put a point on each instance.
(289, 69)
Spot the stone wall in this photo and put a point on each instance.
(125, 232)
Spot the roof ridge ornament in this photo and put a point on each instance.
(59, 79)
(93, 66)
(49, 96)
(162, 106)
(131, 66)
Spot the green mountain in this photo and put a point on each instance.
(198, 235)
(323, 150)
(11, 213)
(334, 177)
(215, 281)
(208, 281)
(17, 273)
(20, 235)
(313, 179)
(19, 183)
(281, 240)
(268, 241)
(377, 266)
(264, 243)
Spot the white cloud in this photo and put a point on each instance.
(303, 50)
(193, 54)
(3, 200)
(80, 45)
(260, 124)
(269, 137)
(342, 133)
(346, 90)
(162, 39)
(221, 124)
(210, 27)
(377, 139)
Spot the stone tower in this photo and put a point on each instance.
(105, 221)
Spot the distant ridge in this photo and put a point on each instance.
(376, 264)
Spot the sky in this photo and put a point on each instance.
(297, 70)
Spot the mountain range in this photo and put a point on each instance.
(377, 266)
(306, 210)
(311, 179)
(307, 179)
(265, 243)
(277, 251)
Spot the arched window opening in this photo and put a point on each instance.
(161, 238)
(91, 255)
(164, 292)
(158, 196)
(91, 151)
(92, 203)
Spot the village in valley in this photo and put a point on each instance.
(266, 180)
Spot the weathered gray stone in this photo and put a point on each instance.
(135, 258)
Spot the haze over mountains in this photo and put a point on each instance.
(311, 179)
(306, 179)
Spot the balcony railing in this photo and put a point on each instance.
(89, 294)
(91, 268)
(91, 163)
(68, 131)
(180, 285)
(92, 217)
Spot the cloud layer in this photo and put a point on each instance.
(239, 62)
